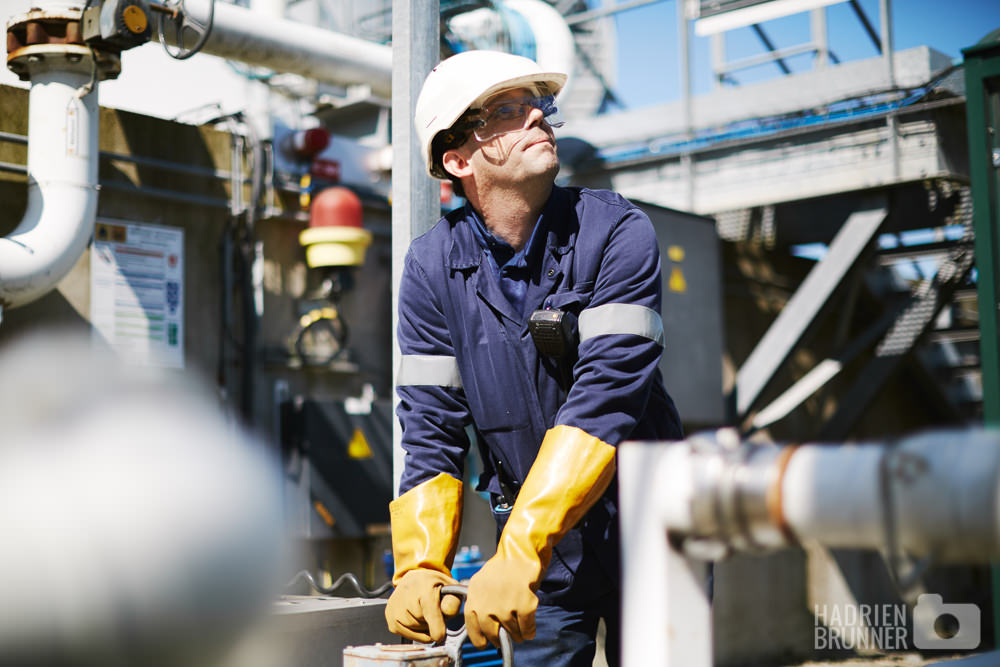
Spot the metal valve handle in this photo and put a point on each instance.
(456, 637)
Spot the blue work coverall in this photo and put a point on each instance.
(468, 358)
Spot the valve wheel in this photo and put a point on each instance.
(184, 27)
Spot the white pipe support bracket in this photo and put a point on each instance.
(58, 221)
(666, 615)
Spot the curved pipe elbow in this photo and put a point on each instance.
(58, 221)
(54, 232)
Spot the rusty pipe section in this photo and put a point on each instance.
(931, 494)
(288, 46)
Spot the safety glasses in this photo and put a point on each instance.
(512, 115)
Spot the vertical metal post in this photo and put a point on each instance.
(416, 202)
(885, 34)
(718, 42)
(684, 51)
(982, 82)
(684, 48)
(892, 123)
(982, 111)
(820, 38)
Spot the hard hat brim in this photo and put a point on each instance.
(553, 80)
(464, 81)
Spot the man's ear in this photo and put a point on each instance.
(456, 164)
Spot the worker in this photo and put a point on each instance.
(529, 318)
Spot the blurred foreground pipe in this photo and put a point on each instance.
(139, 526)
(932, 495)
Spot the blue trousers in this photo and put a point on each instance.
(574, 596)
(567, 637)
(563, 638)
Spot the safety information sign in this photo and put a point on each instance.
(137, 291)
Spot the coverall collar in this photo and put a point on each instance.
(552, 231)
(466, 249)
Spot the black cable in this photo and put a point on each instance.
(344, 579)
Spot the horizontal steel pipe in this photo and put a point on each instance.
(931, 494)
(287, 46)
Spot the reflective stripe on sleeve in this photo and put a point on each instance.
(621, 318)
(428, 369)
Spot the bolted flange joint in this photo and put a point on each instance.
(54, 37)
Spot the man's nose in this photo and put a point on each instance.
(535, 117)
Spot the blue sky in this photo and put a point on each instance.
(648, 69)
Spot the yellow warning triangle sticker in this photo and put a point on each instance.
(358, 447)
(677, 282)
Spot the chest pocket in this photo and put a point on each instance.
(499, 374)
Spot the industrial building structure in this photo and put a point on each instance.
(816, 232)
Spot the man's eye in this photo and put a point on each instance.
(507, 111)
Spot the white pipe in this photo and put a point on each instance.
(944, 490)
(932, 494)
(295, 48)
(555, 48)
(62, 176)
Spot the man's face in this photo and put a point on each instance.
(517, 155)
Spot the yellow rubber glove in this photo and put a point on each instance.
(425, 525)
(571, 471)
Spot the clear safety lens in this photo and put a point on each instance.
(512, 116)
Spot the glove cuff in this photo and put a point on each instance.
(425, 524)
(572, 470)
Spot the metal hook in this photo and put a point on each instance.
(456, 637)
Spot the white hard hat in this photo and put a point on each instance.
(459, 82)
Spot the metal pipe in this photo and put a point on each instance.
(62, 173)
(765, 58)
(941, 489)
(820, 37)
(934, 494)
(292, 47)
(885, 39)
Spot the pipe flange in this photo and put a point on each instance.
(44, 26)
(54, 23)
(735, 491)
(42, 34)
(21, 62)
